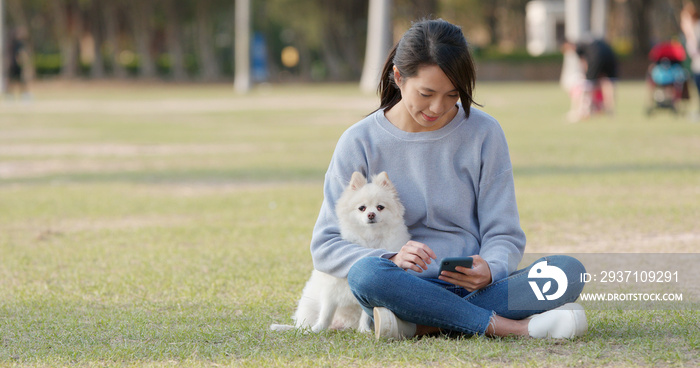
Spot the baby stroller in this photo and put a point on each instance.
(666, 77)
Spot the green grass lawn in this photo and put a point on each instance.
(168, 225)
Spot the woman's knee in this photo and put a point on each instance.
(363, 273)
(573, 268)
(369, 273)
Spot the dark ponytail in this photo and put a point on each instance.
(388, 91)
(430, 42)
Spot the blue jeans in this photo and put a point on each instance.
(378, 282)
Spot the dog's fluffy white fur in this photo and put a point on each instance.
(370, 215)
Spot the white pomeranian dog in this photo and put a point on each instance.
(370, 215)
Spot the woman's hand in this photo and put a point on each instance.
(471, 279)
(414, 256)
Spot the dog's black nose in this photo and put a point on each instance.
(371, 215)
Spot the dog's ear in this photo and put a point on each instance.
(382, 180)
(357, 181)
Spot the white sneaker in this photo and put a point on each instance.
(387, 326)
(565, 322)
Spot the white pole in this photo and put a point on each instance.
(3, 86)
(242, 81)
(379, 42)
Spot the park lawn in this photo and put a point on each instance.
(168, 225)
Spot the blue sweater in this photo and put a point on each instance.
(456, 184)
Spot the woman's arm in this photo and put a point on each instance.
(502, 240)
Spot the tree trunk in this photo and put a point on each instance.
(110, 15)
(97, 69)
(516, 22)
(347, 39)
(340, 50)
(208, 65)
(332, 61)
(305, 58)
(175, 41)
(67, 24)
(490, 7)
(639, 10)
(142, 15)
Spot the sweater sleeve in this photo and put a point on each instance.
(332, 254)
(502, 238)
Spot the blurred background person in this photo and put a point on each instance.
(17, 82)
(599, 65)
(690, 25)
(573, 81)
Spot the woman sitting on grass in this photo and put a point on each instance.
(451, 167)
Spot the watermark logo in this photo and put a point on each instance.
(611, 281)
(542, 270)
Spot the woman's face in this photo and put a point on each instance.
(428, 100)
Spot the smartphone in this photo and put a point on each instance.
(449, 263)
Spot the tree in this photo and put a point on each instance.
(67, 25)
(142, 18)
(97, 69)
(379, 42)
(174, 40)
(639, 10)
(331, 36)
(111, 14)
(342, 24)
(208, 65)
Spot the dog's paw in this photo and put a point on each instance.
(365, 324)
(364, 329)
